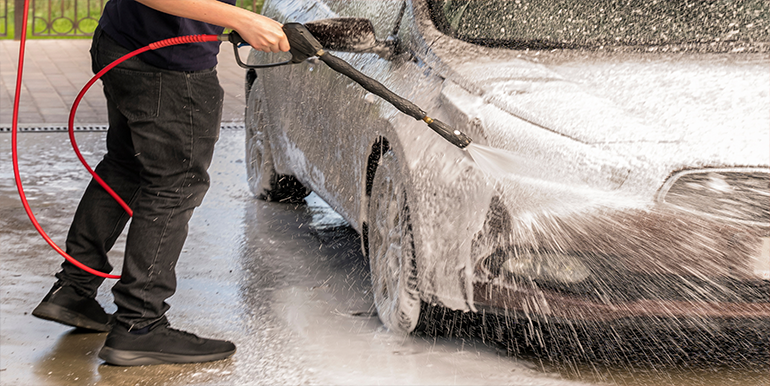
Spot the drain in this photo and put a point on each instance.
(49, 129)
(55, 128)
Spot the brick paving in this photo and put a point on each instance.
(56, 70)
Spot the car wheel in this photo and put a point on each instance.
(391, 250)
(264, 182)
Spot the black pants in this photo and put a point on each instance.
(163, 127)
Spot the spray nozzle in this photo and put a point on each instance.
(455, 137)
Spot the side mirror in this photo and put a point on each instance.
(349, 34)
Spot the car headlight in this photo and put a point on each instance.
(736, 194)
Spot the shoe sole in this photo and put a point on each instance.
(59, 314)
(141, 358)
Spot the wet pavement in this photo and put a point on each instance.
(287, 283)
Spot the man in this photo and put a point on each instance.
(164, 110)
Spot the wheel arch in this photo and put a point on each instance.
(265, 182)
(379, 147)
(250, 78)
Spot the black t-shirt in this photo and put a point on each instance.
(134, 25)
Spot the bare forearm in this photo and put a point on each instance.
(209, 11)
(261, 32)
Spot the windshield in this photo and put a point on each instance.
(721, 24)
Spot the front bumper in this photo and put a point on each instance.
(603, 265)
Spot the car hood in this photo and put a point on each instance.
(715, 105)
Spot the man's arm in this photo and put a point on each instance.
(260, 32)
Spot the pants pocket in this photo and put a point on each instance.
(135, 93)
(206, 102)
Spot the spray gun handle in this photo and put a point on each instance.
(238, 41)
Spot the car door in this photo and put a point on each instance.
(326, 120)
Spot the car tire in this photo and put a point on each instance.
(265, 183)
(391, 250)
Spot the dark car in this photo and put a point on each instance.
(620, 163)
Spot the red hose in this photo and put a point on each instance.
(17, 95)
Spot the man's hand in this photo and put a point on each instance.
(262, 33)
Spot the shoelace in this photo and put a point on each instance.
(184, 334)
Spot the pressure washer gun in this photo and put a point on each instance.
(304, 45)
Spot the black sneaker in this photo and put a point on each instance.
(160, 344)
(65, 305)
